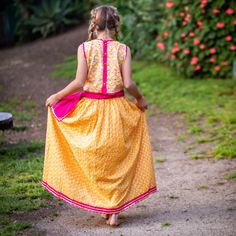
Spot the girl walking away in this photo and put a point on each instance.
(98, 154)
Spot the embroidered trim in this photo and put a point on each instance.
(94, 208)
(84, 51)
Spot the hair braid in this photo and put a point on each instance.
(92, 25)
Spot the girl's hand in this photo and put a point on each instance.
(53, 99)
(142, 103)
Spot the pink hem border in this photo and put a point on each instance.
(88, 207)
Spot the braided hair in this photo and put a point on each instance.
(104, 17)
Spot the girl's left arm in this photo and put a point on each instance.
(77, 84)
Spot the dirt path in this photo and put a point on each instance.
(193, 196)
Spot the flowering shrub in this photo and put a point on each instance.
(198, 38)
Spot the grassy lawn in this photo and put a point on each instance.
(20, 183)
(208, 106)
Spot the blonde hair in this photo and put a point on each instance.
(104, 17)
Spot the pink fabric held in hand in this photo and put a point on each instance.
(66, 105)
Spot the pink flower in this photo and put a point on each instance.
(217, 68)
(173, 57)
(182, 35)
(232, 47)
(191, 34)
(225, 63)
(199, 23)
(161, 46)
(186, 51)
(194, 60)
(202, 46)
(181, 13)
(229, 11)
(212, 50)
(166, 34)
(203, 3)
(188, 16)
(169, 4)
(212, 60)
(216, 11)
(175, 49)
(196, 41)
(184, 22)
(196, 68)
(220, 25)
(186, 39)
(234, 22)
(228, 38)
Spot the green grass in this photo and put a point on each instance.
(20, 183)
(20, 109)
(160, 159)
(195, 129)
(231, 175)
(165, 224)
(208, 105)
(65, 70)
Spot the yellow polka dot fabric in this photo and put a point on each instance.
(99, 157)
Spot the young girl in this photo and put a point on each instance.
(98, 154)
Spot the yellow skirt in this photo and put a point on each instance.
(99, 158)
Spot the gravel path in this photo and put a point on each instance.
(193, 196)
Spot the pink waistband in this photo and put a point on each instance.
(67, 104)
(94, 95)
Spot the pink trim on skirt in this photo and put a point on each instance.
(67, 104)
(96, 209)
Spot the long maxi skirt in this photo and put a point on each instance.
(99, 157)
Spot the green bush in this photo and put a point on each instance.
(198, 37)
(46, 17)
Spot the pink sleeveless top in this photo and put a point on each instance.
(104, 59)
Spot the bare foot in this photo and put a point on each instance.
(113, 220)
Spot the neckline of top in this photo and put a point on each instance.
(106, 40)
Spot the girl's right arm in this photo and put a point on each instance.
(129, 84)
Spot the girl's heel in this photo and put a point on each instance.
(113, 220)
